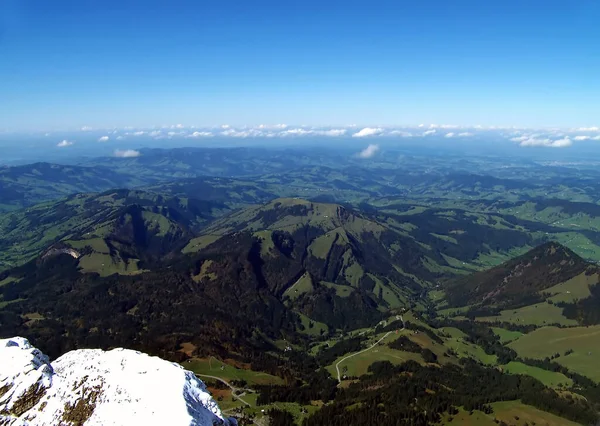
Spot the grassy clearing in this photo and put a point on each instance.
(495, 258)
(204, 274)
(303, 285)
(454, 333)
(105, 265)
(321, 246)
(452, 312)
(445, 238)
(390, 295)
(547, 341)
(539, 314)
(96, 244)
(317, 329)
(508, 412)
(340, 290)
(505, 335)
(465, 349)
(436, 296)
(293, 408)
(8, 281)
(576, 288)
(214, 367)
(197, 244)
(359, 364)
(548, 378)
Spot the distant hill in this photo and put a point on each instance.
(520, 281)
(113, 230)
(30, 184)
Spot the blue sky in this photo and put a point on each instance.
(66, 64)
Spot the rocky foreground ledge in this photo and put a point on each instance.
(95, 387)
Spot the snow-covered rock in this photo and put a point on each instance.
(95, 387)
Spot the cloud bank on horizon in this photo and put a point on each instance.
(541, 138)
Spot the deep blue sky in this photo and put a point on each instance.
(70, 63)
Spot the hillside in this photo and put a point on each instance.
(333, 264)
(518, 282)
(258, 268)
(22, 186)
(117, 228)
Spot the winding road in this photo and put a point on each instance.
(233, 389)
(337, 366)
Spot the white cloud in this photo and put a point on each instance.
(562, 143)
(549, 143)
(86, 129)
(139, 133)
(272, 126)
(296, 132)
(369, 151)
(120, 138)
(589, 129)
(368, 131)
(400, 133)
(225, 126)
(331, 132)
(429, 132)
(127, 153)
(449, 135)
(596, 138)
(201, 135)
(466, 135)
(103, 139)
(64, 143)
(582, 138)
(239, 134)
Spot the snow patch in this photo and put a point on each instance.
(94, 387)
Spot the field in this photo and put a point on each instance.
(506, 336)
(214, 367)
(508, 412)
(539, 314)
(576, 288)
(317, 328)
(547, 341)
(469, 350)
(359, 364)
(548, 378)
(294, 408)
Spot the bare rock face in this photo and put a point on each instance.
(94, 387)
